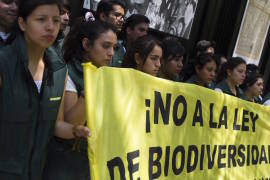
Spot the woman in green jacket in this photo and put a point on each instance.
(253, 87)
(32, 82)
(87, 41)
(231, 76)
(204, 71)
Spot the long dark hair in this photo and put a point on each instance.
(250, 80)
(91, 30)
(200, 61)
(229, 65)
(143, 46)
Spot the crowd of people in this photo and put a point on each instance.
(42, 115)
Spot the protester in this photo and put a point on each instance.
(64, 19)
(205, 46)
(202, 47)
(134, 27)
(232, 75)
(65, 15)
(204, 71)
(113, 12)
(220, 59)
(94, 41)
(8, 16)
(253, 87)
(172, 59)
(144, 55)
(32, 82)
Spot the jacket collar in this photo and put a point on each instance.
(51, 58)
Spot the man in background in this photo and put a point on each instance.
(8, 16)
(113, 12)
(135, 26)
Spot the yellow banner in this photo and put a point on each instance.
(149, 128)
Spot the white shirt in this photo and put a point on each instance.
(267, 103)
(70, 86)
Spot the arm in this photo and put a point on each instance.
(74, 108)
(66, 130)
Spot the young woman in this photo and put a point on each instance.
(204, 71)
(232, 74)
(253, 87)
(87, 41)
(31, 90)
(144, 55)
(172, 59)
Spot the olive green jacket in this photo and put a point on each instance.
(27, 118)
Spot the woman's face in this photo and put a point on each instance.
(207, 73)
(41, 26)
(152, 62)
(174, 66)
(237, 75)
(257, 87)
(100, 53)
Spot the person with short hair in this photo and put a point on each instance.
(112, 12)
(205, 46)
(64, 22)
(135, 26)
(8, 16)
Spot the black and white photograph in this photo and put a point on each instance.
(171, 16)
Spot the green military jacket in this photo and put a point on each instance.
(68, 159)
(223, 85)
(27, 118)
(255, 99)
(119, 54)
(75, 72)
(194, 80)
(2, 43)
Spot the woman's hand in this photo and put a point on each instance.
(80, 131)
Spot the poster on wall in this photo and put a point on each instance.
(253, 31)
(171, 16)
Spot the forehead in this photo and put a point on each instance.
(48, 9)
(108, 36)
(259, 79)
(141, 25)
(157, 50)
(118, 8)
(241, 67)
